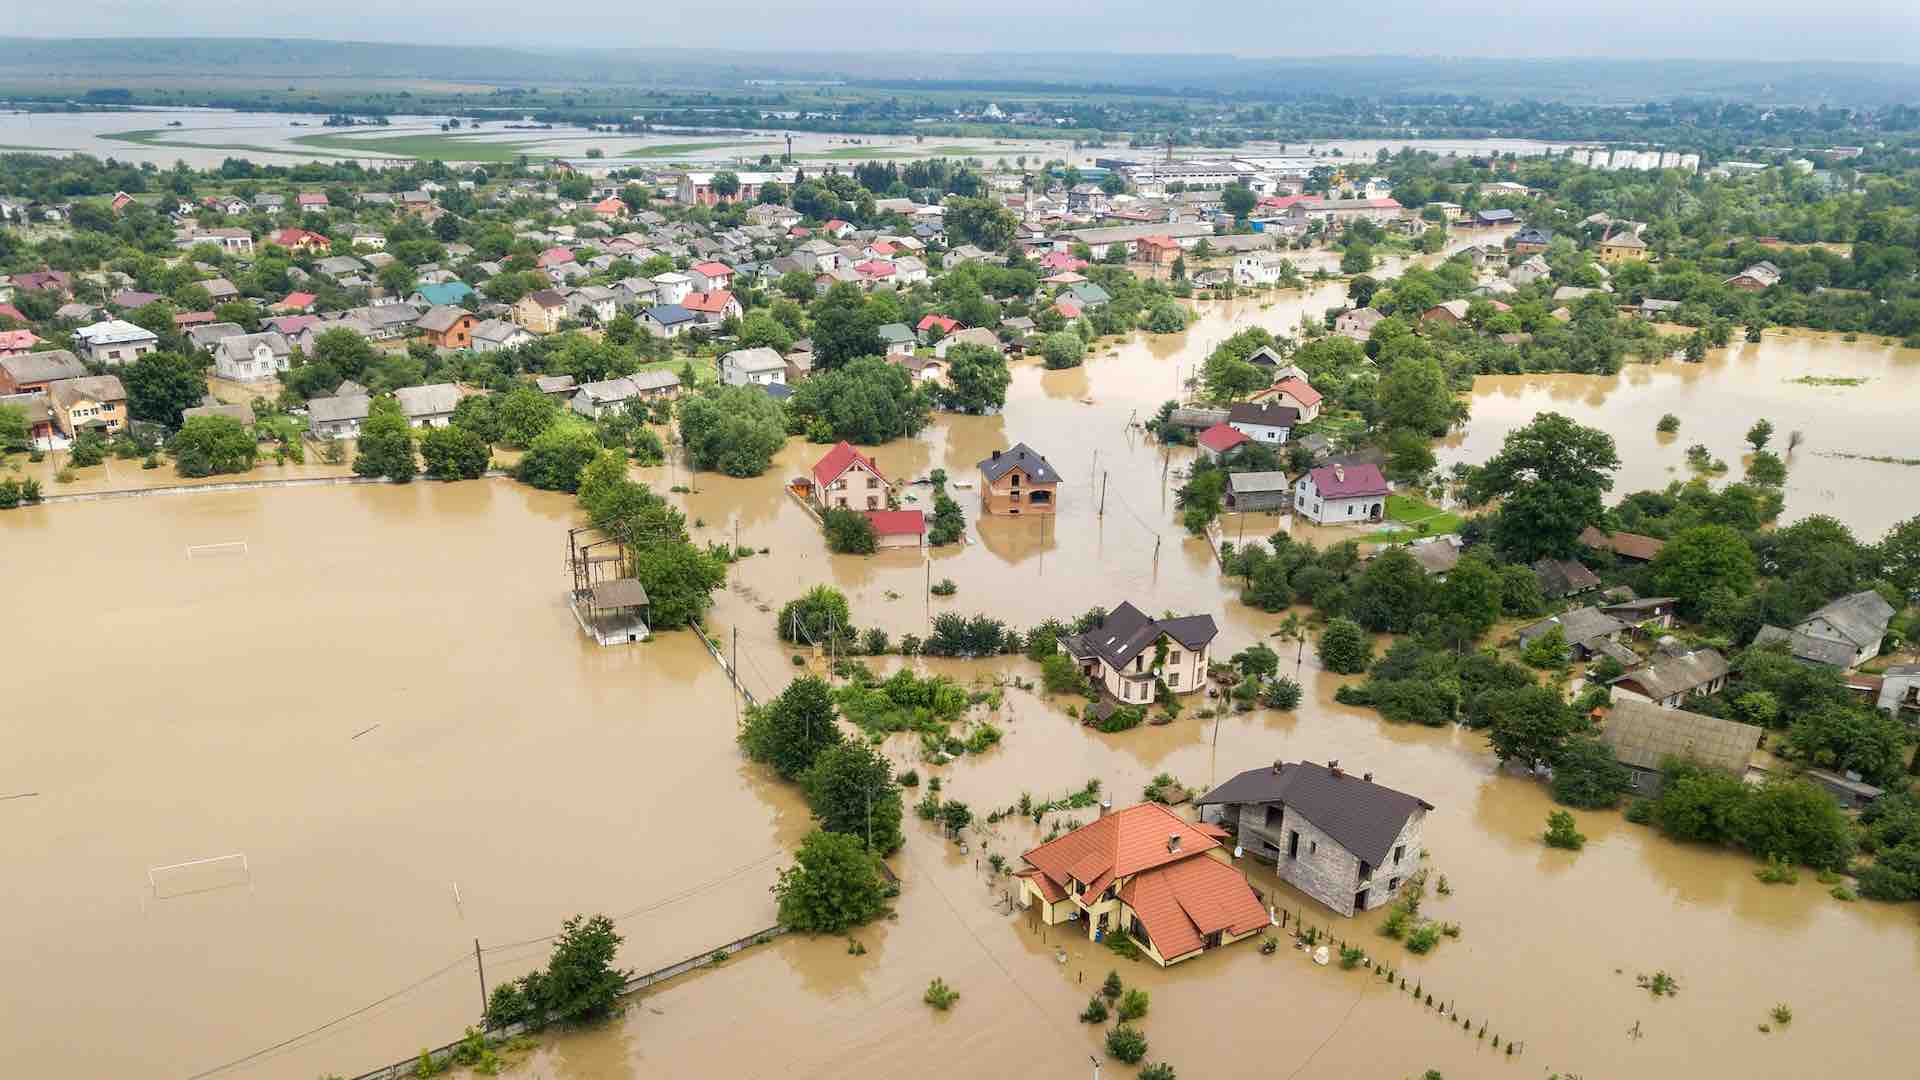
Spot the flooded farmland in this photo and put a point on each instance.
(1855, 405)
(383, 704)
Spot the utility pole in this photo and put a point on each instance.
(734, 671)
(482, 965)
(1103, 494)
(927, 596)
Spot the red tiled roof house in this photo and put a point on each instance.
(1150, 874)
(846, 479)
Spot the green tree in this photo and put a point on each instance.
(790, 731)
(14, 433)
(581, 980)
(819, 615)
(524, 413)
(844, 327)
(849, 532)
(1468, 602)
(977, 379)
(1766, 469)
(1551, 475)
(1413, 396)
(344, 351)
(733, 429)
(1759, 433)
(557, 456)
(385, 446)
(1561, 832)
(1700, 560)
(1238, 200)
(454, 453)
(850, 789)
(866, 401)
(680, 580)
(207, 445)
(1530, 725)
(834, 885)
(1062, 350)
(1586, 775)
(160, 385)
(1357, 259)
(1343, 647)
(1257, 661)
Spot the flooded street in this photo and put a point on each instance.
(1718, 399)
(383, 703)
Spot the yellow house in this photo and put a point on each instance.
(1622, 246)
(96, 402)
(541, 311)
(1148, 873)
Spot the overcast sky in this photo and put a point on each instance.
(1707, 29)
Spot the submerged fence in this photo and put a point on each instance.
(443, 1055)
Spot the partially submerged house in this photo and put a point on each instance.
(1630, 546)
(1252, 491)
(1670, 680)
(1845, 633)
(1642, 735)
(1588, 631)
(1560, 578)
(1129, 652)
(1146, 872)
(1340, 493)
(1018, 480)
(846, 479)
(338, 417)
(1342, 839)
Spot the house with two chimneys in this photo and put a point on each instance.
(846, 479)
(1148, 873)
(1344, 840)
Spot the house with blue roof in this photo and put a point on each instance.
(448, 294)
(668, 320)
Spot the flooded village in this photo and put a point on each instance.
(306, 765)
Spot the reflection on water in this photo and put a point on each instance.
(545, 776)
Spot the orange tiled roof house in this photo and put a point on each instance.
(1149, 873)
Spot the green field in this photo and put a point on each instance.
(670, 149)
(434, 146)
(158, 137)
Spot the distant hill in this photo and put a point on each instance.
(274, 61)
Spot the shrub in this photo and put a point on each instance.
(1157, 1070)
(1283, 694)
(1350, 956)
(1112, 987)
(834, 884)
(1782, 1014)
(1668, 424)
(1060, 675)
(1561, 832)
(1133, 1004)
(944, 587)
(849, 532)
(1343, 647)
(1095, 1012)
(940, 995)
(1423, 938)
(1777, 872)
(909, 778)
(1126, 1043)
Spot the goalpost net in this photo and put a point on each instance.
(199, 875)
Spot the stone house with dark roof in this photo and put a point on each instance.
(1149, 873)
(1342, 839)
(1642, 735)
(1129, 652)
(1017, 480)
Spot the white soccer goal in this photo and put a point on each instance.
(199, 875)
(227, 549)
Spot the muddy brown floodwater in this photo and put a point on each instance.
(1719, 399)
(382, 703)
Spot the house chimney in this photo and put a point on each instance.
(1340, 473)
(1278, 765)
(996, 455)
(1368, 777)
(1333, 764)
(1173, 842)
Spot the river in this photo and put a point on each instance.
(383, 704)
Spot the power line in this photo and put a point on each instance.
(465, 958)
(284, 1043)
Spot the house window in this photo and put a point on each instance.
(1293, 843)
(1274, 814)
(872, 482)
(1399, 852)
(1393, 884)
(1313, 847)
(1173, 679)
(1173, 657)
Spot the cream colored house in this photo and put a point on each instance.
(1129, 654)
